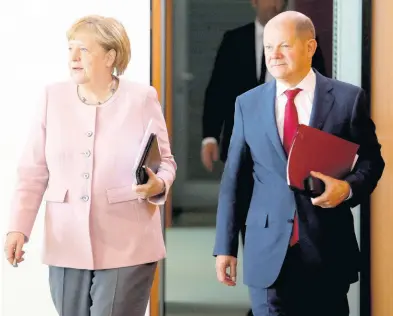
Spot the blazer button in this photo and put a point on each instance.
(89, 134)
(290, 221)
(85, 198)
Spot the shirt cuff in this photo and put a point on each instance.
(350, 194)
(209, 140)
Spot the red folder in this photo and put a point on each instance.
(316, 150)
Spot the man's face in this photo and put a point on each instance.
(267, 9)
(288, 57)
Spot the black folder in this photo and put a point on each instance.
(150, 157)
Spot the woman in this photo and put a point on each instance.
(103, 234)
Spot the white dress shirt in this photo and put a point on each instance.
(303, 101)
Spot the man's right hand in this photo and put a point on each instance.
(14, 247)
(209, 154)
(222, 264)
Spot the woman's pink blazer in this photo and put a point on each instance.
(79, 159)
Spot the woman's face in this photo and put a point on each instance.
(87, 60)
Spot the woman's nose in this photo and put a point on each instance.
(75, 55)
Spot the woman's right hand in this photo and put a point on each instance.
(14, 247)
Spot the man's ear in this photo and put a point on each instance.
(311, 47)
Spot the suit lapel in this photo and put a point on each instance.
(323, 101)
(322, 104)
(269, 117)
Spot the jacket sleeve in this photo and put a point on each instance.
(370, 164)
(32, 176)
(227, 226)
(213, 107)
(167, 170)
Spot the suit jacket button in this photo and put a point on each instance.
(87, 153)
(290, 221)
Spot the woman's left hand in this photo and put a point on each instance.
(153, 187)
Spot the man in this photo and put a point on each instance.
(239, 67)
(301, 254)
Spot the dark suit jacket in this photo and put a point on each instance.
(234, 73)
(327, 236)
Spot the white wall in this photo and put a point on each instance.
(33, 53)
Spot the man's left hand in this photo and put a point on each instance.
(153, 187)
(336, 191)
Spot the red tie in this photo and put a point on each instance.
(291, 123)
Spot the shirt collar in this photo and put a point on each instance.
(258, 28)
(307, 84)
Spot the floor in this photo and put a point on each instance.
(191, 286)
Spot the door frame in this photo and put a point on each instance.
(161, 80)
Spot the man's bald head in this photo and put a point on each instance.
(302, 24)
(289, 43)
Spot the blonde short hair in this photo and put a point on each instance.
(110, 34)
